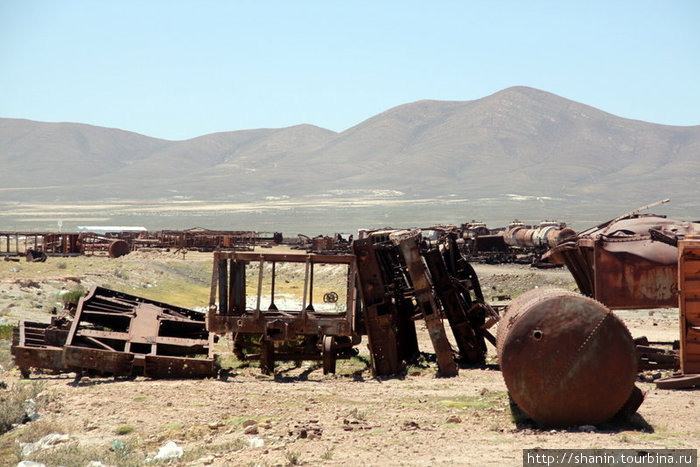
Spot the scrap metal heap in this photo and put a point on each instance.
(37, 246)
(399, 278)
(403, 278)
(114, 333)
(200, 239)
(628, 262)
(516, 243)
(632, 262)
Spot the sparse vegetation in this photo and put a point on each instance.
(125, 429)
(72, 453)
(293, 457)
(358, 414)
(73, 296)
(38, 429)
(6, 332)
(327, 454)
(17, 403)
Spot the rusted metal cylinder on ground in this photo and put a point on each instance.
(565, 358)
(118, 248)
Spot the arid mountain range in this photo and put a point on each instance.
(519, 142)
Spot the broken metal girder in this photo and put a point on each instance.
(379, 311)
(422, 291)
(39, 345)
(470, 349)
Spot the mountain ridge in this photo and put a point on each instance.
(517, 140)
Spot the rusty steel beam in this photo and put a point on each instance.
(39, 346)
(379, 311)
(465, 336)
(425, 299)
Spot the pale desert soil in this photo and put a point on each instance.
(351, 418)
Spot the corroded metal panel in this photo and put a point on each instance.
(379, 311)
(635, 273)
(689, 302)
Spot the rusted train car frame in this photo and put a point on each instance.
(326, 336)
(122, 334)
(113, 333)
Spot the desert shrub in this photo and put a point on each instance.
(15, 401)
(124, 429)
(293, 457)
(72, 296)
(44, 426)
(6, 360)
(121, 274)
(6, 332)
(72, 453)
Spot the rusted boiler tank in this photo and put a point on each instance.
(565, 358)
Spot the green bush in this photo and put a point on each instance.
(124, 429)
(6, 332)
(73, 296)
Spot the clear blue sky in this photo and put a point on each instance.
(176, 69)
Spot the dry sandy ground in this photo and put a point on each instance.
(300, 416)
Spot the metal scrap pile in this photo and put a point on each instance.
(113, 333)
(403, 278)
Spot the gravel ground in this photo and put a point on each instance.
(301, 417)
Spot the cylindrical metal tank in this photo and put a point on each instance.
(118, 248)
(546, 234)
(565, 358)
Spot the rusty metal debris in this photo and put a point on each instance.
(40, 345)
(516, 243)
(566, 359)
(50, 244)
(199, 239)
(679, 381)
(689, 304)
(118, 334)
(251, 298)
(621, 264)
(37, 246)
(689, 300)
(656, 355)
(405, 276)
(324, 245)
(401, 278)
